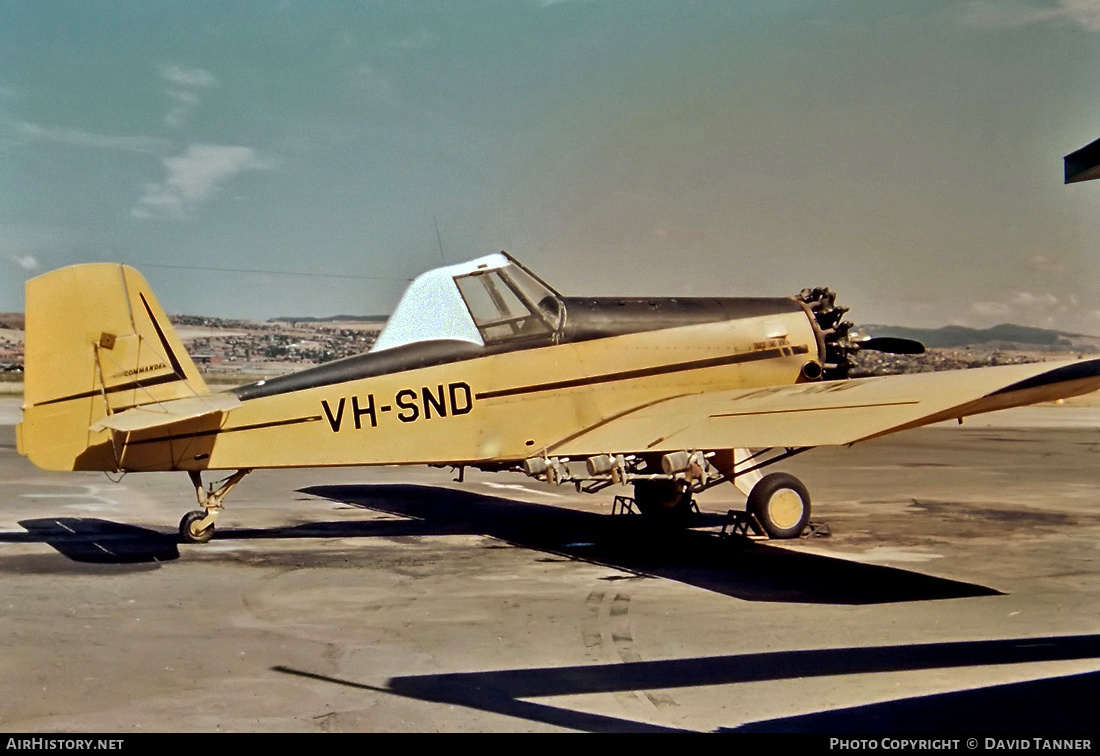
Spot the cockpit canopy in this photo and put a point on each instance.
(487, 301)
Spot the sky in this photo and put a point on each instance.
(907, 154)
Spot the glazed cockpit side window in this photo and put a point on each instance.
(507, 304)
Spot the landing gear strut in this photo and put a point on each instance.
(197, 526)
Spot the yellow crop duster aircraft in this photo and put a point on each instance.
(484, 365)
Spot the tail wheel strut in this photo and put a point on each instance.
(197, 526)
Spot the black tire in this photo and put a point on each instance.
(663, 500)
(187, 530)
(781, 504)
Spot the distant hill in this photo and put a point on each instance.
(1005, 335)
(332, 319)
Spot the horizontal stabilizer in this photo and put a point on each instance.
(832, 412)
(166, 413)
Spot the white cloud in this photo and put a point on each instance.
(184, 85)
(184, 97)
(995, 15)
(1026, 308)
(75, 138)
(1025, 299)
(26, 262)
(1084, 12)
(26, 246)
(176, 118)
(193, 78)
(193, 178)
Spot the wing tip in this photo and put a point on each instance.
(1074, 371)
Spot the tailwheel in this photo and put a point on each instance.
(197, 526)
(192, 530)
(781, 504)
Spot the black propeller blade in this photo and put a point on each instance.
(891, 345)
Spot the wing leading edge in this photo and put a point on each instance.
(830, 413)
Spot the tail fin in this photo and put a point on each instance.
(97, 342)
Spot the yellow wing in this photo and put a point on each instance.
(830, 413)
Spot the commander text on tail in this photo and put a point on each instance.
(484, 365)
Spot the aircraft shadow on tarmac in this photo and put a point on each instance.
(1059, 705)
(91, 540)
(734, 567)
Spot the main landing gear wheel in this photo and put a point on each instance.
(189, 527)
(781, 504)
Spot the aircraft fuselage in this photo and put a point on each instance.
(507, 402)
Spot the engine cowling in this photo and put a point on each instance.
(837, 334)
